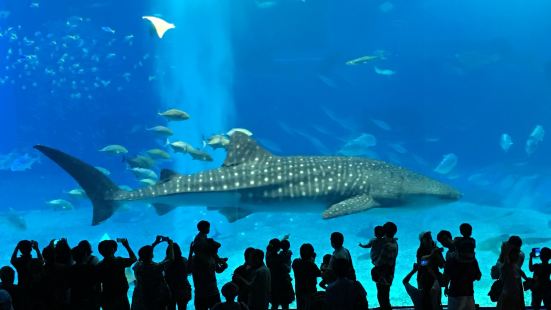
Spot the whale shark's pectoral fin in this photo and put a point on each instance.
(162, 208)
(352, 205)
(233, 214)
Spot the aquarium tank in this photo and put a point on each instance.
(456, 91)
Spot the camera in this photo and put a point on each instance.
(536, 252)
(120, 239)
(424, 262)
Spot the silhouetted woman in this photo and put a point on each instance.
(176, 276)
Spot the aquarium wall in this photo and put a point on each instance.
(457, 91)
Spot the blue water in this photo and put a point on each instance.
(465, 72)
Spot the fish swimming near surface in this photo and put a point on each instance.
(252, 179)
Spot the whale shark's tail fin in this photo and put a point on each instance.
(99, 188)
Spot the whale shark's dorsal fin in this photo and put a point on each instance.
(243, 149)
(167, 175)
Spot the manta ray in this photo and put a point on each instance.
(252, 179)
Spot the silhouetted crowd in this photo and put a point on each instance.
(60, 277)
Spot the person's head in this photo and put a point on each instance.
(85, 247)
(257, 258)
(176, 250)
(107, 248)
(426, 239)
(203, 227)
(341, 267)
(230, 291)
(285, 245)
(63, 252)
(327, 259)
(390, 229)
(337, 240)
(146, 254)
(306, 251)
(25, 246)
(445, 238)
(247, 254)
(545, 254)
(274, 245)
(7, 275)
(515, 242)
(466, 230)
(379, 231)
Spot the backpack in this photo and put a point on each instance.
(495, 290)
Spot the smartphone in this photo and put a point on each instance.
(536, 252)
(120, 239)
(424, 262)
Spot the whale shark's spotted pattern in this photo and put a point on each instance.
(253, 178)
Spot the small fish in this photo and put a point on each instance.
(77, 192)
(181, 147)
(143, 173)
(199, 155)
(362, 60)
(218, 141)
(161, 130)
(448, 163)
(241, 130)
(158, 153)
(34, 5)
(114, 149)
(161, 26)
(103, 170)
(108, 29)
(505, 142)
(61, 204)
(148, 182)
(386, 72)
(174, 115)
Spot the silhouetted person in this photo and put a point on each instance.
(446, 240)
(541, 286)
(5, 300)
(306, 276)
(429, 260)
(383, 272)
(340, 252)
(259, 284)
(375, 243)
(151, 291)
(7, 278)
(176, 275)
(230, 291)
(325, 272)
(345, 293)
(201, 241)
(111, 272)
(29, 273)
(205, 263)
(514, 242)
(465, 245)
(84, 281)
(512, 294)
(244, 271)
(278, 261)
(460, 273)
(422, 300)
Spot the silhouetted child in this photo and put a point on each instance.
(541, 287)
(7, 276)
(324, 268)
(201, 244)
(465, 245)
(376, 243)
(230, 291)
(286, 253)
(112, 276)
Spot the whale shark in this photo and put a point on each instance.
(251, 179)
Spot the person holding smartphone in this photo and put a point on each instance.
(541, 286)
